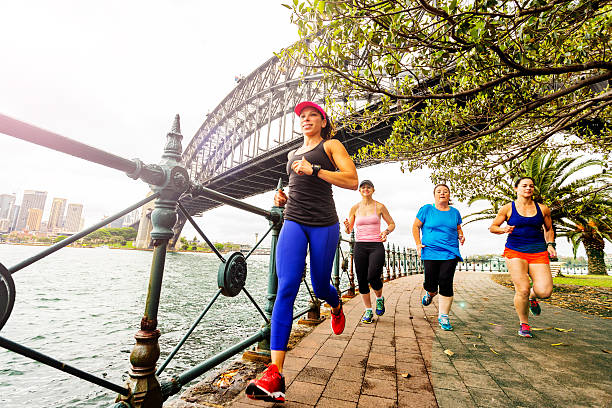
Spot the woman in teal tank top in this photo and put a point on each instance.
(531, 240)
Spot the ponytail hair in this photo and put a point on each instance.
(329, 130)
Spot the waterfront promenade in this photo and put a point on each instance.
(400, 359)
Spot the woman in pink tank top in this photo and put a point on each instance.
(369, 251)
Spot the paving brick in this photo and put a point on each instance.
(416, 399)
(324, 362)
(304, 392)
(380, 388)
(382, 372)
(353, 360)
(349, 373)
(314, 375)
(342, 389)
(295, 363)
(411, 368)
(447, 382)
(368, 401)
(489, 398)
(413, 384)
(484, 381)
(335, 403)
(454, 399)
(382, 359)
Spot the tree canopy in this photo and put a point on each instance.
(466, 85)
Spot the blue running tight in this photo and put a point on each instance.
(291, 251)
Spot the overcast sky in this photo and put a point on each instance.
(113, 74)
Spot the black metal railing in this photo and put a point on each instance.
(169, 182)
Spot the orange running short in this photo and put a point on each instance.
(537, 258)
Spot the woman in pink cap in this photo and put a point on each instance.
(310, 223)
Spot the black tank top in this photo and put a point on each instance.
(311, 200)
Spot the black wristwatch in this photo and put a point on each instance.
(315, 169)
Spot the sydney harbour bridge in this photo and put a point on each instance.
(241, 148)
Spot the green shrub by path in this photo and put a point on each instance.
(585, 280)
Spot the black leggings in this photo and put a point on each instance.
(369, 259)
(440, 274)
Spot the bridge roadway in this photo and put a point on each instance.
(400, 360)
(262, 173)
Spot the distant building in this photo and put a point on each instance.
(118, 223)
(5, 225)
(7, 201)
(34, 219)
(57, 214)
(73, 217)
(31, 200)
(13, 215)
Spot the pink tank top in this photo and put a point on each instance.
(367, 228)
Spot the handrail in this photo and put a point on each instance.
(41, 137)
(41, 358)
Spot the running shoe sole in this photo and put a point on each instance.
(255, 392)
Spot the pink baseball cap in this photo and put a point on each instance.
(307, 104)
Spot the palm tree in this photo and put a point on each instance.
(576, 203)
(590, 224)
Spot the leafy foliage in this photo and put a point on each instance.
(467, 86)
(113, 236)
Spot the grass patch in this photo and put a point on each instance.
(585, 280)
(586, 298)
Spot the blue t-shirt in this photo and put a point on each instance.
(439, 233)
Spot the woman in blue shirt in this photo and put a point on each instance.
(438, 247)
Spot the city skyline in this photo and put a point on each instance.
(29, 214)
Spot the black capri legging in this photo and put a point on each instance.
(440, 274)
(369, 259)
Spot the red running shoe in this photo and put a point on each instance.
(270, 387)
(525, 330)
(338, 321)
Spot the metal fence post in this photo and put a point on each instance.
(394, 263)
(336, 270)
(143, 383)
(262, 350)
(351, 290)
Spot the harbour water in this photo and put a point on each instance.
(82, 306)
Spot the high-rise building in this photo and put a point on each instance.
(4, 225)
(34, 218)
(73, 217)
(31, 199)
(118, 223)
(6, 203)
(57, 214)
(13, 215)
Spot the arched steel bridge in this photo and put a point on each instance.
(241, 148)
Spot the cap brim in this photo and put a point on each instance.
(307, 104)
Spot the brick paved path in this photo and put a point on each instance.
(491, 366)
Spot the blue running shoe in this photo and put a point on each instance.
(367, 317)
(427, 299)
(445, 322)
(380, 306)
(534, 306)
(524, 330)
